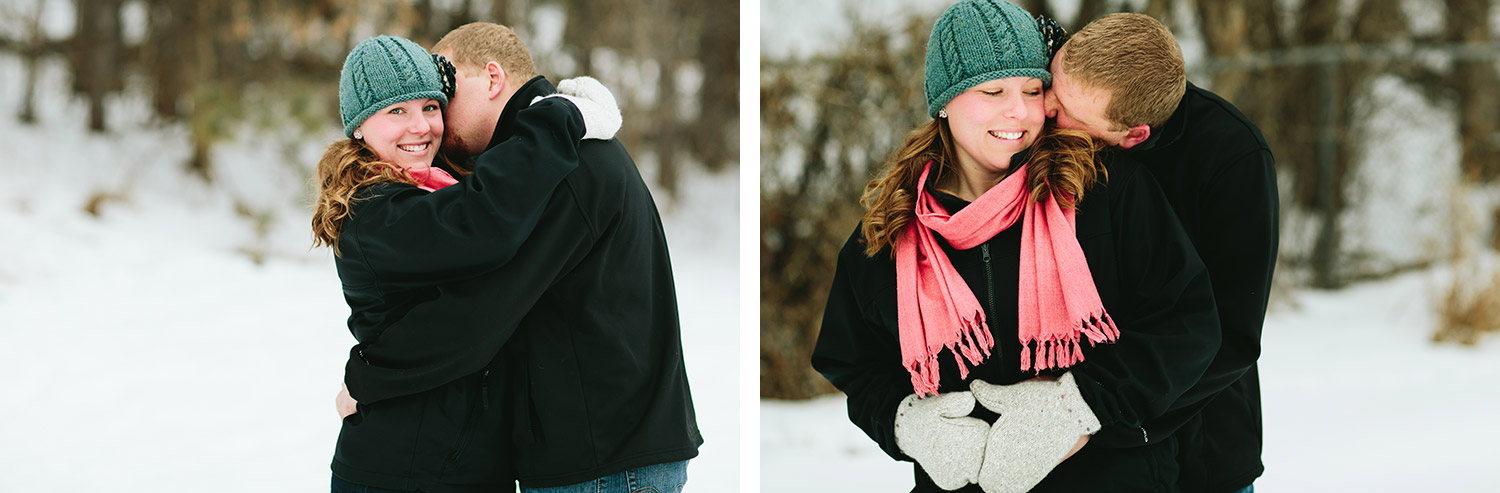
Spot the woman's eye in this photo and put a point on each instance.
(991, 93)
(398, 111)
(430, 107)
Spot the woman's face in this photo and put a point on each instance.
(407, 134)
(994, 120)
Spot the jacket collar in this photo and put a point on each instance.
(1172, 131)
(506, 126)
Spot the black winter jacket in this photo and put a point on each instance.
(1219, 175)
(400, 244)
(589, 309)
(1150, 280)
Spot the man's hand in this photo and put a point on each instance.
(601, 114)
(344, 403)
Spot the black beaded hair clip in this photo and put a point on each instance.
(446, 73)
(1053, 34)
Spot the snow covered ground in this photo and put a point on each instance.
(141, 350)
(1356, 398)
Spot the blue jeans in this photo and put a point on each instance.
(660, 478)
(340, 485)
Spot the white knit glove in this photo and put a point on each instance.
(940, 435)
(601, 114)
(1039, 423)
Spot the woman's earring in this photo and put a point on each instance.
(941, 114)
(358, 135)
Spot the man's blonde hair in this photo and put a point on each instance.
(477, 43)
(1137, 60)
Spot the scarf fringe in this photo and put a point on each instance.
(1099, 327)
(1065, 350)
(924, 375)
(974, 345)
(937, 310)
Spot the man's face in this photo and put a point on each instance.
(468, 131)
(1080, 108)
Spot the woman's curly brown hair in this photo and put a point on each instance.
(347, 166)
(1064, 159)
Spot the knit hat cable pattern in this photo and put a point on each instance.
(382, 71)
(976, 41)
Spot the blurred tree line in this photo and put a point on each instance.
(218, 65)
(1295, 68)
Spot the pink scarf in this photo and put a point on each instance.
(430, 178)
(935, 308)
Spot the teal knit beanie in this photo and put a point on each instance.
(976, 41)
(382, 71)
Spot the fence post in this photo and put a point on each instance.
(1325, 253)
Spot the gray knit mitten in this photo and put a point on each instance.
(1039, 423)
(601, 114)
(940, 435)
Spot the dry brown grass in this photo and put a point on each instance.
(1469, 306)
(1469, 309)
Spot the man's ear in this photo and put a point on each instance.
(497, 79)
(1135, 135)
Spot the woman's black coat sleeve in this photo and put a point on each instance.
(858, 356)
(408, 237)
(1163, 304)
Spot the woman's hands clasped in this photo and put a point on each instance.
(1043, 421)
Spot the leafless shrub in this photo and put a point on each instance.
(1467, 310)
(827, 125)
(1469, 305)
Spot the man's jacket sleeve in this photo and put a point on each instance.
(460, 331)
(409, 237)
(1239, 247)
(1169, 328)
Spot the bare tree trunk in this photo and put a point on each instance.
(1319, 21)
(31, 51)
(1042, 8)
(97, 70)
(1161, 10)
(28, 95)
(718, 97)
(1088, 11)
(666, 122)
(199, 46)
(1476, 83)
(171, 54)
(500, 12)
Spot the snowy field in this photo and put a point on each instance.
(142, 350)
(1356, 398)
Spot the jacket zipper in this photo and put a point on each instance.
(989, 284)
(989, 276)
(484, 390)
